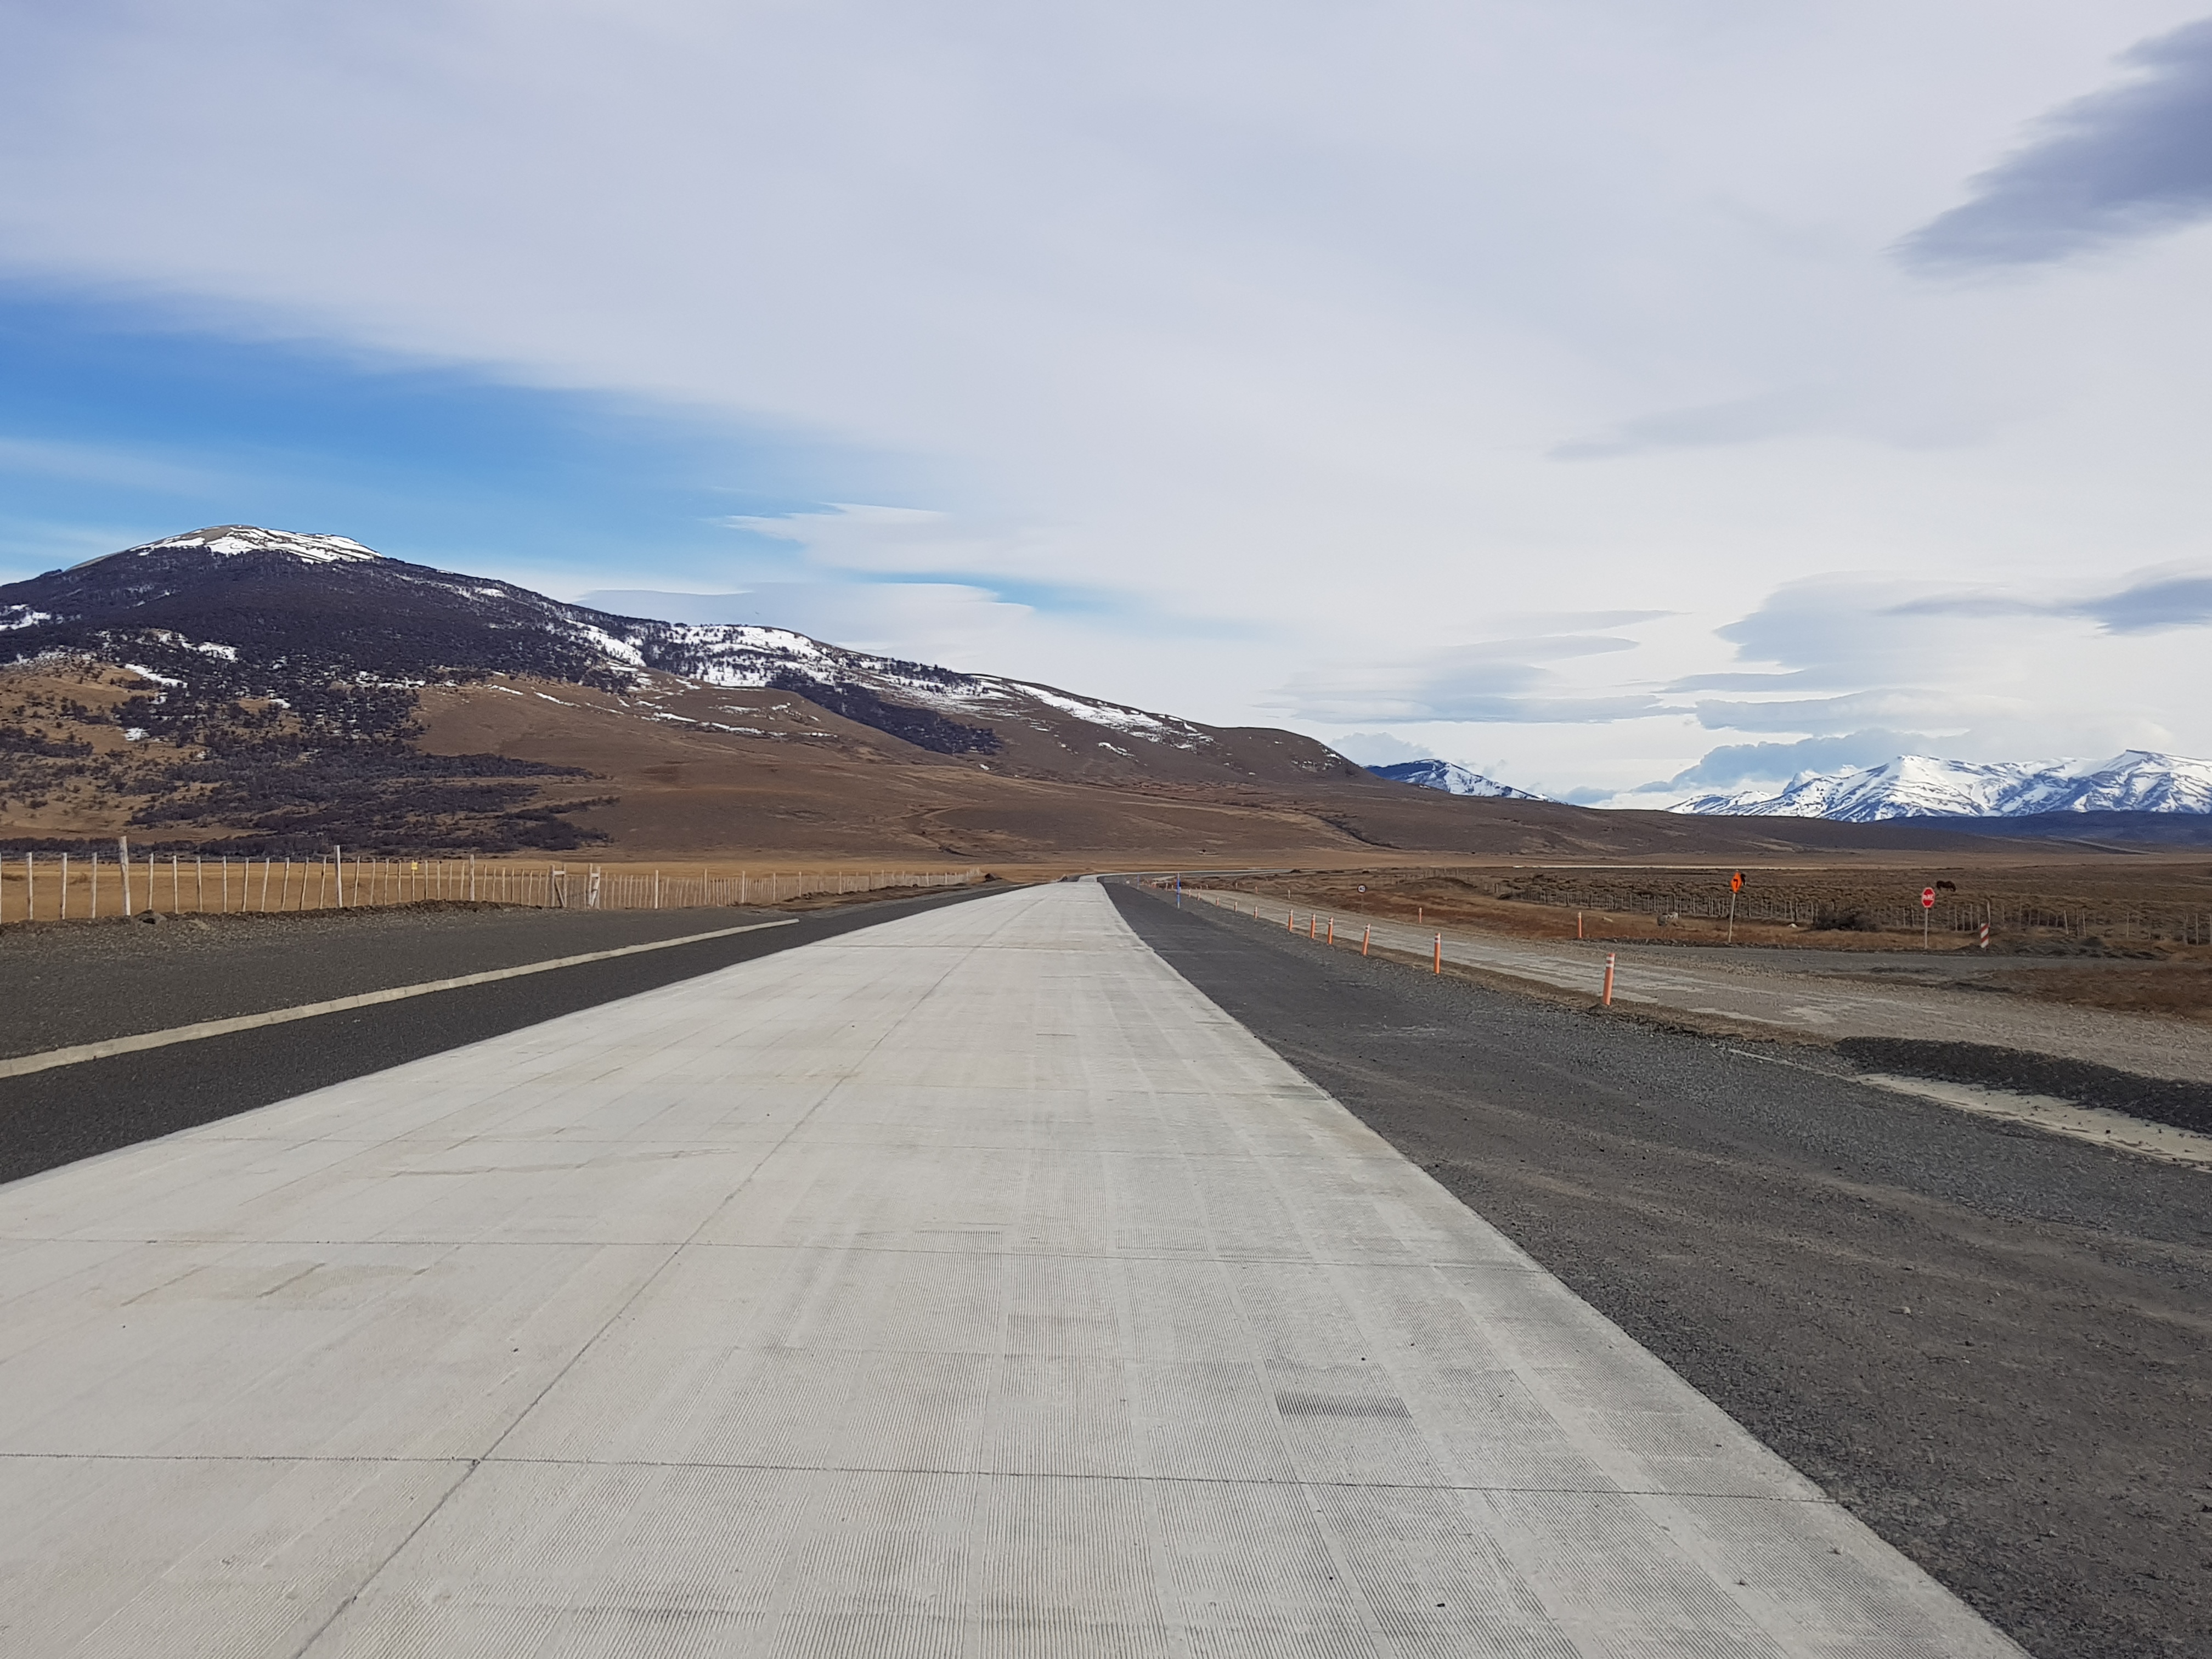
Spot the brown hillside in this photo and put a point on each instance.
(672, 768)
(794, 776)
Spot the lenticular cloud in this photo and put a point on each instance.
(2130, 162)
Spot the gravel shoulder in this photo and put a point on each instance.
(1762, 992)
(1994, 1345)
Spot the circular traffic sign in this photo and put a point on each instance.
(1928, 899)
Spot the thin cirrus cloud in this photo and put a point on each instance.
(1733, 764)
(1857, 651)
(866, 536)
(1840, 631)
(953, 620)
(1918, 708)
(1493, 680)
(2130, 162)
(2151, 602)
(1737, 421)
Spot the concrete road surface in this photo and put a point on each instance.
(965, 1284)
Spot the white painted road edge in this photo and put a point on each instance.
(965, 1286)
(22, 1065)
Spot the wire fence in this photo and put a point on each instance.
(2184, 923)
(56, 887)
(1854, 910)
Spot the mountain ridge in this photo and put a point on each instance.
(1928, 787)
(271, 691)
(224, 612)
(1452, 779)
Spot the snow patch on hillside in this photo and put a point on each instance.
(1925, 786)
(235, 538)
(1451, 778)
(450, 623)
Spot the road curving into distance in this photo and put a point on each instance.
(1994, 1345)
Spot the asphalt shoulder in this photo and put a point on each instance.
(77, 983)
(56, 1116)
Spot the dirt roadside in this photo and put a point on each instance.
(1775, 994)
(2155, 955)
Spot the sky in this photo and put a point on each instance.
(1628, 399)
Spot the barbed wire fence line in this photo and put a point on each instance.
(2118, 921)
(61, 887)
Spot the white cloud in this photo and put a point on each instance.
(106, 464)
(948, 623)
(2126, 162)
(1273, 313)
(1378, 749)
(1491, 680)
(2149, 601)
(850, 537)
(1922, 709)
(1738, 421)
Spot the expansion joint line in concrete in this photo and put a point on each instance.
(674, 1252)
(839, 1247)
(429, 1514)
(469, 1466)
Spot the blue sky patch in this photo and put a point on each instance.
(119, 425)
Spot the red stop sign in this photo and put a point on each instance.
(1928, 899)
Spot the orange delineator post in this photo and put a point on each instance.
(1578, 924)
(1368, 933)
(1331, 930)
(1608, 979)
(1440, 953)
(1313, 926)
(1289, 921)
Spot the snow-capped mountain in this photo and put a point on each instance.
(1450, 777)
(1922, 786)
(344, 638)
(231, 539)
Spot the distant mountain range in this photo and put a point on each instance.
(264, 691)
(1923, 786)
(299, 688)
(1450, 777)
(238, 611)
